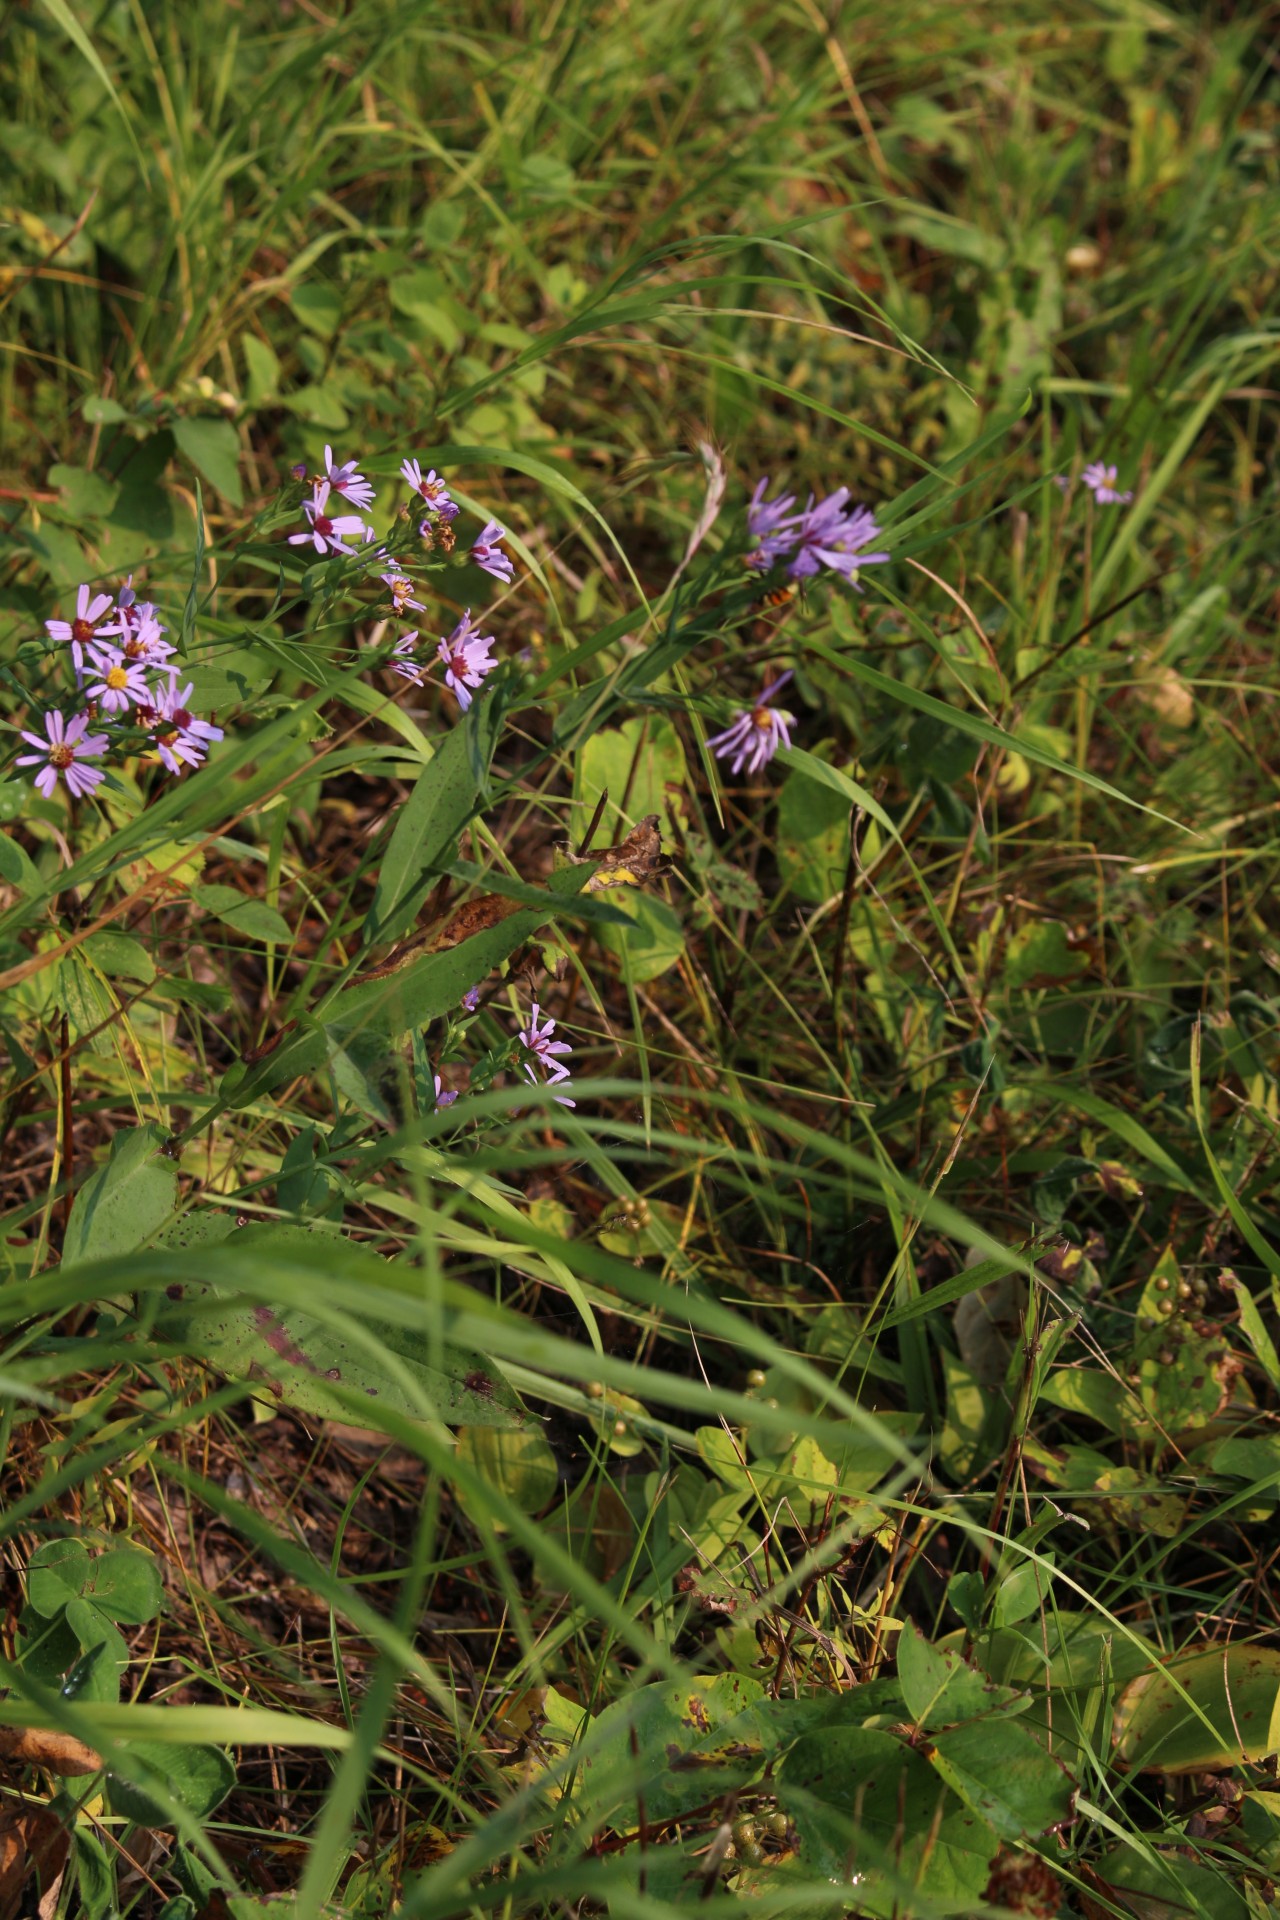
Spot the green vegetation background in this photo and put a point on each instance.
(785, 1453)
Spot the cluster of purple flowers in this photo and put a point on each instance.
(126, 675)
(541, 1049)
(466, 654)
(827, 533)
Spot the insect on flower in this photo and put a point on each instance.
(65, 746)
(752, 738)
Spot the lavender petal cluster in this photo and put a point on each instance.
(546, 1053)
(116, 646)
(1103, 483)
(827, 533)
(754, 736)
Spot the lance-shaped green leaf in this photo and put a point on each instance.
(125, 1201)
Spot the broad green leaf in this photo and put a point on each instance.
(213, 448)
(318, 1367)
(651, 943)
(198, 1778)
(442, 801)
(1232, 1717)
(82, 1660)
(87, 494)
(942, 1690)
(120, 956)
(641, 765)
(1165, 1884)
(1001, 1771)
(518, 1461)
(124, 1202)
(1039, 954)
(123, 1583)
(248, 916)
(856, 1793)
(433, 983)
(680, 1745)
(813, 836)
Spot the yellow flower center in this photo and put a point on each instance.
(117, 678)
(61, 757)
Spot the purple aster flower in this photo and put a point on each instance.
(1101, 482)
(488, 554)
(443, 1098)
(431, 487)
(772, 525)
(348, 481)
(134, 616)
(329, 533)
(827, 536)
(114, 682)
(754, 737)
(181, 739)
(544, 1050)
(65, 745)
(405, 664)
(402, 591)
(471, 999)
(144, 643)
(466, 658)
(87, 625)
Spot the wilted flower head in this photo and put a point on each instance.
(181, 739)
(430, 486)
(443, 1097)
(466, 658)
(91, 609)
(329, 533)
(115, 682)
(827, 536)
(299, 470)
(754, 737)
(488, 554)
(1101, 482)
(65, 746)
(471, 999)
(544, 1049)
(347, 481)
(405, 663)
